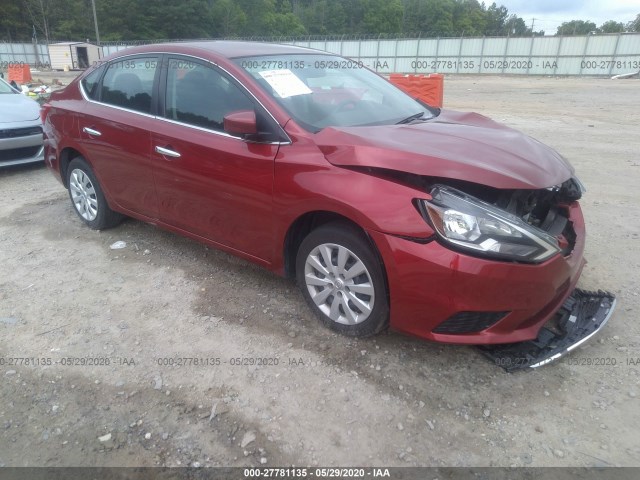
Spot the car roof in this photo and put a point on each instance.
(229, 48)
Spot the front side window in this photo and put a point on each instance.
(200, 95)
(321, 91)
(129, 84)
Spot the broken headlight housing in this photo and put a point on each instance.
(481, 228)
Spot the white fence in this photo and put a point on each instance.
(606, 54)
(34, 55)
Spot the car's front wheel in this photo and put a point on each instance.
(87, 197)
(342, 280)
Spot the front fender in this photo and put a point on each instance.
(309, 183)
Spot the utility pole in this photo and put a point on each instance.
(95, 21)
(533, 22)
(34, 39)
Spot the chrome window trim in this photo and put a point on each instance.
(148, 115)
(216, 132)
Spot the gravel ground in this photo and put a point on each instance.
(390, 400)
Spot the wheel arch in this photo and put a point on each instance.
(66, 156)
(309, 221)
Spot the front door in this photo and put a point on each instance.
(210, 183)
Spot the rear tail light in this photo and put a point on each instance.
(44, 111)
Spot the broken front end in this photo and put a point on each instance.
(502, 272)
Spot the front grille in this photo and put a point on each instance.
(20, 132)
(18, 153)
(469, 322)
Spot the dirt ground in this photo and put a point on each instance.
(324, 399)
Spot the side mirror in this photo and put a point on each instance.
(241, 123)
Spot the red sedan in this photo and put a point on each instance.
(387, 211)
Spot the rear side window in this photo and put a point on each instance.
(200, 95)
(129, 84)
(90, 83)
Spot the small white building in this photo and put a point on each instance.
(73, 55)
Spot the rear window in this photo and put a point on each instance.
(129, 83)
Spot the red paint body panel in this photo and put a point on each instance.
(120, 156)
(220, 188)
(430, 283)
(244, 197)
(463, 146)
(305, 182)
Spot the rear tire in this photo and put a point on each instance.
(342, 280)
(87, 197)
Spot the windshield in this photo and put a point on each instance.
(5, 87)
(321, 91)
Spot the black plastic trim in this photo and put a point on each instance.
(581, 316)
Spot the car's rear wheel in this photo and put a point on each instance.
(342, 280)
(87, 198)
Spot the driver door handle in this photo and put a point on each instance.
(91, 131)
(166, 152)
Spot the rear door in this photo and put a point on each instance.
(114, 131)
(210, 183)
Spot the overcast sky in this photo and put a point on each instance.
(550, 14)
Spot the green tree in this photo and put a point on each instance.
(322, 17)
(382, 16)
(13, 24)
(126, 20)
(413, 15)
(287, 24)
(611, 26)
(72, 20)
(516, 26)
(496, 19)
(634, 25)
(256, 12)
(576, 27)
(469, 18)
(39, 14)
(354, 11)
(146, 20)
(228, 18)
(438, 18)
(184, 19)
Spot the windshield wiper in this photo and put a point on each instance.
(411, 118)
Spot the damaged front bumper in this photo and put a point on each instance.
(581, 316)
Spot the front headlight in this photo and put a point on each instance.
(474, 225)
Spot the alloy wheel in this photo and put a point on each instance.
(83, 195)
(339, 284)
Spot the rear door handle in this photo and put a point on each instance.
(91, 131)
(167, 153)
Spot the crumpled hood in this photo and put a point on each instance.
(457, 145)
(18, 108)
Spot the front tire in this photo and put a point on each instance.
(342, 280)
(87, 197)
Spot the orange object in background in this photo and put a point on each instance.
(428, 88)
(20, 72)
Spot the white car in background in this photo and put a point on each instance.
(20, 128)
